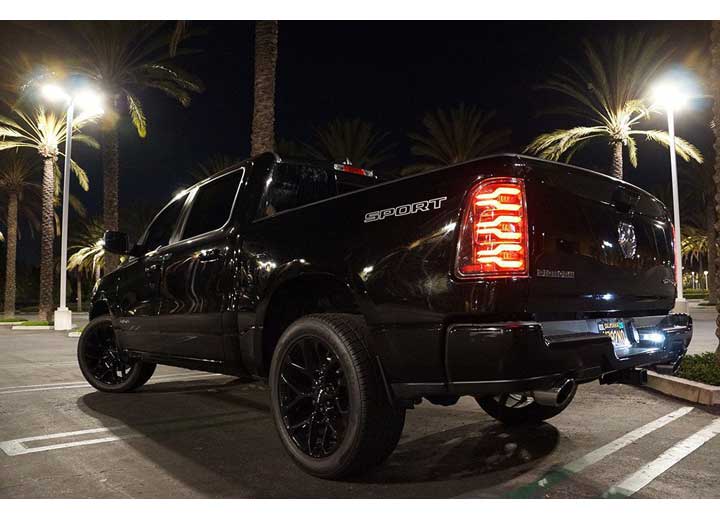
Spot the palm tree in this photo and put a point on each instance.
(124, 58)
(608, 92)
(694, 244)
(87, 244)
(351, 140)
(455, 135)
(45, 133)
(16, 183)
(715, 89)
(262, 138)
(698, 211)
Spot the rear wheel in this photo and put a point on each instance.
(519, 408)
(104, 365)
(328, 400)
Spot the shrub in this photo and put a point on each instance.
(703, 368)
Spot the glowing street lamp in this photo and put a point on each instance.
(670, 97)
(90, 102)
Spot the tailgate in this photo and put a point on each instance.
(597, 244)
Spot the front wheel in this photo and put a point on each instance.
(520, 408)
(104, 365)
(328, 400)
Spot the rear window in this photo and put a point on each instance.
(293, 185)
(212, 204)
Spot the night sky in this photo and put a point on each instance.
(388, 73)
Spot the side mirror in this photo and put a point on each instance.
(116, 242)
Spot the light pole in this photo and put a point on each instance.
(670, 97)
(91, 101)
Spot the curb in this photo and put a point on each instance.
(11, 323)
(684, 389)
(74, 334)
(33, 327)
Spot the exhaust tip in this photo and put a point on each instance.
(557, 396)
(566, 392)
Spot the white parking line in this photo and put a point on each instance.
(556, 476)
(83, 384)
(597, 455)
(16, 447)
(668, 459)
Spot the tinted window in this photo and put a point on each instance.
(294, 185)
(162, 228)
(212, 205)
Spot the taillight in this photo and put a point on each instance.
(493, 240)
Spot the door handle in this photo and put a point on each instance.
(209, 254)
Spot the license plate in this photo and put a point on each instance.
(616, 330)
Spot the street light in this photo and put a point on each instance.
(670, 97)
(90, 102)
(706, 283)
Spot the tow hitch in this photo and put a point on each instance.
(630, 376)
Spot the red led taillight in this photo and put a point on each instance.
(494, 239)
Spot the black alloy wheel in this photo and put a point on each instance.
(104, 364)
(329, 403)
(313, 397)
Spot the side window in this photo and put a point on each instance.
(295, 185)
(162, 228)
(212, 205)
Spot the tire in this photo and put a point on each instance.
(101, 360)
(346, 399)
(527, 414)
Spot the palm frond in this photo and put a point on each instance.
(683, 148)
(554, 145)
(458, 134)
(632, 151)
(136, 114)
(355, 140)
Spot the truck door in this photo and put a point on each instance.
(197, 281)
(140, 283)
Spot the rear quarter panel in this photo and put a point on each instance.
(399, 267)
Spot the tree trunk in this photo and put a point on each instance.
(111, 174)
(78, 288)
(715, 88)
(712, 250)
(47, 236)
(10, 282)
(617, 159)
(263, 124)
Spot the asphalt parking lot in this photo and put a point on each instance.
(192, 434)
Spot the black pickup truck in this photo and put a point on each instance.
(507, 278)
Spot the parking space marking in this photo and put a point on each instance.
(557, 476)
(82, 384)
(664, 462)
(18, 446)
(15, 447)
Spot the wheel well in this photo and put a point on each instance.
(297, 298)
(98, 309)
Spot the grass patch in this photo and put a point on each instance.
(706, 304)
(11, 320)
(35, 323)
(702, 368)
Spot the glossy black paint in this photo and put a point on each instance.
(220, 301)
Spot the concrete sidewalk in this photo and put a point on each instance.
(704, 339)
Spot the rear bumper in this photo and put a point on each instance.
(494, 358)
